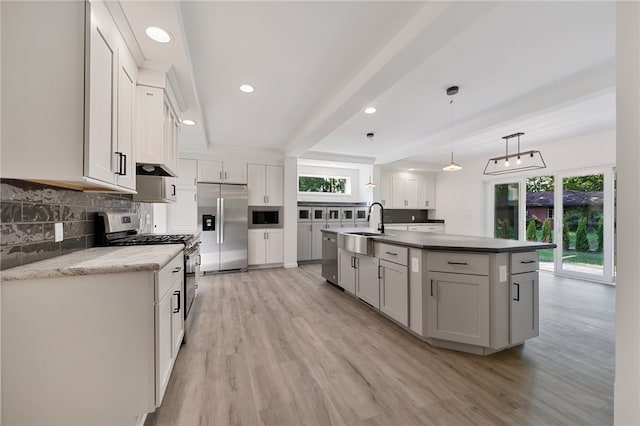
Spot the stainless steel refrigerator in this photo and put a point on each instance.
(222, 221)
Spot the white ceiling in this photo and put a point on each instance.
(543, 68)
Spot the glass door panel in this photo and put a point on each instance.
(540, 216)
(506, 223)
(582, 245)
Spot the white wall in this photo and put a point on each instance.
(462, 199)
(627, 378)
(359, 174)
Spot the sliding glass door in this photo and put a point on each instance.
(573, 210)
(585, 248)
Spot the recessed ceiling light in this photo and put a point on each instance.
(369, 110)
(246, 88)
(411, 170)
(189, 122)
(158, 34)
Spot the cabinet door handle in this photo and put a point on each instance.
(379, 272)
(431, 288)
(517, 299)
(458, 263)
(119, 154)
(527, 261)
(391, 253)
(177, 269)
(198, 260)
(225, 175)
(267, 199)
(357, 262)
(173, 190)
(123, 164)
(352, 265)
(220, 175)
(177, 293)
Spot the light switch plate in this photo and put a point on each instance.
(58, 232)
(415, 266)
(503, 273)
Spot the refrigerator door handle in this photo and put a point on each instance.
(221, 214)
(217, 220)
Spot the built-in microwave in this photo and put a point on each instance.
(265, 217)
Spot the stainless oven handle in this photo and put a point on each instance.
(217, 220)
(221, 220)
(198, 260)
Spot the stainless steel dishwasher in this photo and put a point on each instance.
(330, 257)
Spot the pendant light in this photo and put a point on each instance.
(452, 166)
(527, 160)
(370, 183)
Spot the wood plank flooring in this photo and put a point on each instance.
(283, 347)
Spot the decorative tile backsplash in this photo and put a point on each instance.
(28, 212)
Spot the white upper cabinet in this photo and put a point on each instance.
(83, 138)
(222, 171)
(407, 191)
(187, 173)
(158, 124)
(265, 185)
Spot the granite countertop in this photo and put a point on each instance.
(98, 260)
(448, 242)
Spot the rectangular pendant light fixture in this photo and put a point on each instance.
(513, 163)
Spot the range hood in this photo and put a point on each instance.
(153, 170)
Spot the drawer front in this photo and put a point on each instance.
(434, 228)
(166, 275)
(395, 254)
(458, 263)
(524, 262)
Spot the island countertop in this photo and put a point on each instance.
(98, 260)
(448, 242)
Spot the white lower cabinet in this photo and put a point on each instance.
(90, 349)
(367, 281)
(266, 246)
(305, 240)
(394, 291)
(358, 274)
(524, 306)
(458, 308)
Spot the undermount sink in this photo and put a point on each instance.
(357, 242)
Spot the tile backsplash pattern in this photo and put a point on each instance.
(28, 212)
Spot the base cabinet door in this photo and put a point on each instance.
(164, 346)
(459, 308)
(394, 291)
(524, 306)
(346, 271)
(304, 241)
(368, 284)
(275, 246)
(316, 240)
(257, 248)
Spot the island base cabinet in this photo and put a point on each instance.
(367, 281)
(524, 306)
(458, 308)
(394, 291)
(346, 271)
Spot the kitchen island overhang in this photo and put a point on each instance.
(472, 294)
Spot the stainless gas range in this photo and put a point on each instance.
(121, 229)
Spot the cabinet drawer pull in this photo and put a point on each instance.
(391, 253)
(527, 261)
(458, 263)
(517, 299)
(177, 269)
(177, 293)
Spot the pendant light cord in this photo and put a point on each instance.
(451, 103)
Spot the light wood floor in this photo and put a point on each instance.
(283, 347)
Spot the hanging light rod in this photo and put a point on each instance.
(528, 160)
(452, 166)
(370, 183)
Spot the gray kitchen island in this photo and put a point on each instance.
(471, 294)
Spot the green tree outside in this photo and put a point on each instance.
(565, 236)
(582, 242)
(322, 184)
(531, 231)
(546, 231)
